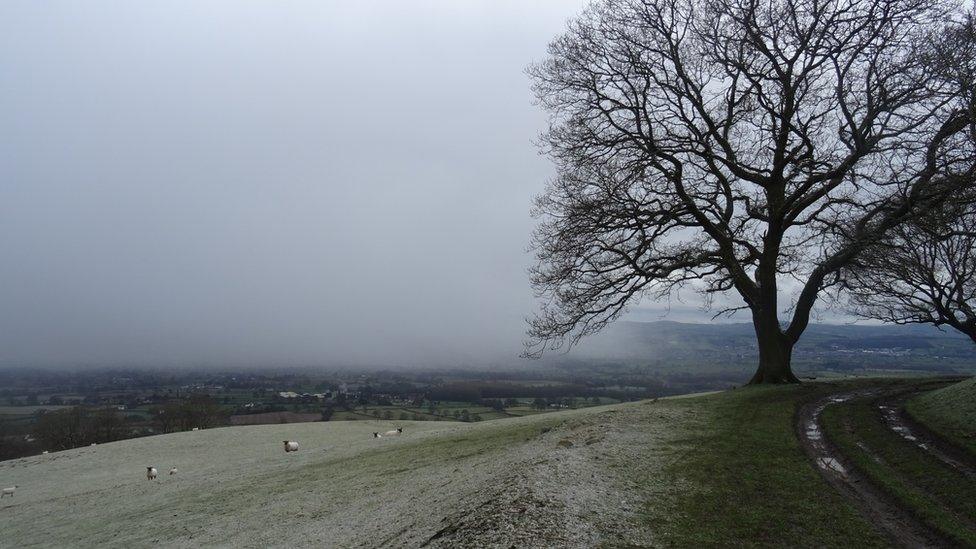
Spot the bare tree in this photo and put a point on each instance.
(923, 273)
(107, 424)
(63, 429)
(727, 145)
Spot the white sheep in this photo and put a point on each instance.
(8, 491)
(397, 432)
(290, 446)
(44, 453)
(195, 429)
(173, 471)
(151, 473)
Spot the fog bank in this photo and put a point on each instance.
(228, 182)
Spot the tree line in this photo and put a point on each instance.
(85, 425)
(477, 391)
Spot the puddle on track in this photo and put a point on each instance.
(824, 456)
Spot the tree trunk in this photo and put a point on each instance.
(775, 351)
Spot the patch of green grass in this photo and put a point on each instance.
(28, 410)
(740, 478)
(524, 411)
(350, 416)
(422, 415)
(949, 412)
(939, 496)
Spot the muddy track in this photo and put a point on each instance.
(887, 515)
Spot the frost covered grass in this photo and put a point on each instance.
(236, 484)
(709, 470)
(237, 487)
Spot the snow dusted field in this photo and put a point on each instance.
(231, 481)
(536, 480)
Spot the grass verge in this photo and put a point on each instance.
(740, 478)
(950, 412)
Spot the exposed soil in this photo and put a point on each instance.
(887, 514)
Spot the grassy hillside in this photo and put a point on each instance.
(950, 412)
(654, 473)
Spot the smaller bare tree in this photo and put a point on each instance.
(925, 273)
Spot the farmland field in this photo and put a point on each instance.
(27, 410)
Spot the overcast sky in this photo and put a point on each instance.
(250, 183)
(224, 182)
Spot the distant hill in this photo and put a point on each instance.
(674, 345)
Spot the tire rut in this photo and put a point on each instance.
(897, 420)
(887, 515)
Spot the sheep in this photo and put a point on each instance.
(290, 446)
(173, 471)
(44, 453)
(151, 473)
(195, 429)
(8, 491)
(394, 433)
(377, 435)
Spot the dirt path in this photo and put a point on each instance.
(887, 515)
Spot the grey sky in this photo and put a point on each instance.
(226, 182)
(241, 182)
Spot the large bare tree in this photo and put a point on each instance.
(727, 145)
